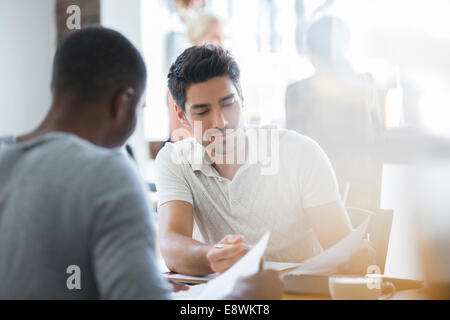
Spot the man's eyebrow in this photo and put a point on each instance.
(227, 97)
(198, 106)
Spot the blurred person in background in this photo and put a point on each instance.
(207, 28)
(336, 107)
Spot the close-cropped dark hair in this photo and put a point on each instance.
(94, 61)
(199, 64)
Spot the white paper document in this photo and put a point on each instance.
(267, 265)
(339, 253)
(248, 265)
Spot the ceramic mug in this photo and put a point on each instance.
(345, 287)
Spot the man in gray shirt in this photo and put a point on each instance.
(74, 219)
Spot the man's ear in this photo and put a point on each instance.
(180, 114)
(122, 102)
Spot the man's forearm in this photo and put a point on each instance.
(185, 255)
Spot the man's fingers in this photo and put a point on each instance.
(232, 238)
(225, 253)
(224, 264)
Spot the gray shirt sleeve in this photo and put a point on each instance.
(122, 236)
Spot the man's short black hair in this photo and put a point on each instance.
(94, 61)
(199, 64)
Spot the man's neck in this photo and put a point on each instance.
(58, 120)
(227, 170)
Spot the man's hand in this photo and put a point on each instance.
(221, 259)
(360, 260)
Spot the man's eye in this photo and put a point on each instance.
(229, 104)
(201, 113)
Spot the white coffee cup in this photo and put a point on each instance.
(344, 287)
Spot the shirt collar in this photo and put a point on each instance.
(194, 154)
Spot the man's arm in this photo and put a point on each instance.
(181, 253)
(185, 255)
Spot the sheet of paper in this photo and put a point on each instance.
(248, 265)
(280, 266)
(339, 253)
(272, 265)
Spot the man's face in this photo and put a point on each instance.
(216, 106)
(128, 121)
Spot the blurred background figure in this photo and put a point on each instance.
(337, 108)
(183, 12)
(207, 28)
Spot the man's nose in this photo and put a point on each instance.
(219, 120)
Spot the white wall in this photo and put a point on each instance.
(27, 45)
(125, 17)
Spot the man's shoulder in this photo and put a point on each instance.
(294, 143)
(85, 153)
(292, 138)
(300, 84)
(72, 153)
(178, 152)
(7, 139)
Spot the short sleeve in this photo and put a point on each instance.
(170, 182)
(317, 178)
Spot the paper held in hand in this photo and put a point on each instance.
(328, 261)
(248, 265)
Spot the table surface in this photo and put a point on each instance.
(416, 294)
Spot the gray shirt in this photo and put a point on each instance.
(66, 202)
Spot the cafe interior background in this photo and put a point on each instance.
(403, 44)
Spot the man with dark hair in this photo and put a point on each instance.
(74, 217)
(212, 190)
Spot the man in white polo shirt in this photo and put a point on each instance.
(230, 184)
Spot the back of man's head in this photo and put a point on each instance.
(94, 62)
(328, 38)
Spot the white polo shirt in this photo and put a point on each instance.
(253, 202)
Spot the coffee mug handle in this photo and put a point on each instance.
(391, 292)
